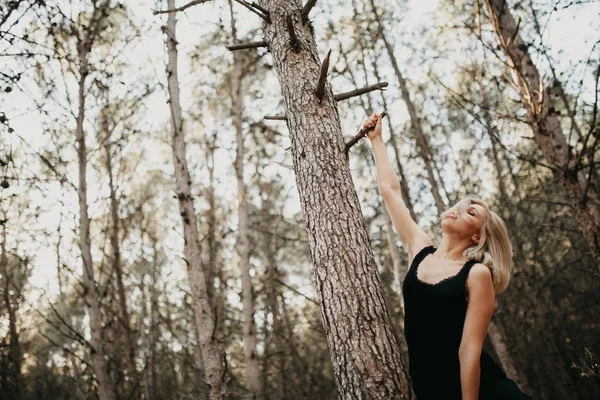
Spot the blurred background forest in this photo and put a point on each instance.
(93, 272)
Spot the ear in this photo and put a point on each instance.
(475, 239)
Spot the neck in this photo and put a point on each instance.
(452, 248)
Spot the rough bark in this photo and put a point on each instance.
(546, 125)
(365, 353)
(106, 390)
(253, 378)
(203, 311)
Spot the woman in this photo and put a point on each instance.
(449, 292)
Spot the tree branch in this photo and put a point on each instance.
(361, 134)
(258, 7)
(359, 92)
(249, 45)
(182, 8)
(275, 117)
(254, 10)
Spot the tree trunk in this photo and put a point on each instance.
(131, 374)
(422, 144)
(403, 182)
(365, 353)
(253, 378)
(203, 311)
(14, 349)
(212, 223)
(106, 390)
(546, 126)
(275, 345)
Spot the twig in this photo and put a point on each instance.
(254, 10)
(258, 7)
(515, 33)
(295, 291)
(182, 8)
(361, 134)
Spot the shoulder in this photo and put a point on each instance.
(480, 278)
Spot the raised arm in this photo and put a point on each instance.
(413, 237)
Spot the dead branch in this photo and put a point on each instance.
(254, 10)
(361, 134)
(515, 33)
(249, 45)
(361, 91)
(182, 8)
(275, 117)
(258, 7)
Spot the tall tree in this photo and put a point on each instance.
(203, 310)
(365, 353)
(109, 123)
(86, 38)
(253, 378)
(9, 277)
(415, 119)
(579, 180)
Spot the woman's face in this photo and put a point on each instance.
(466, 220)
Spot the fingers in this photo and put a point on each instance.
(372, 121)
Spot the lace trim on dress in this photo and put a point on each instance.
(443, 280)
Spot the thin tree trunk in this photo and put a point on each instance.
(203, 311)
(365, 352)
(276, 342)
(106, 390)
(403, 182)
(14, 349)
(422, 144)
(152, 379)
(131, 374)
(253, 378)
(546, 126)
(212, 223)
(496, 336)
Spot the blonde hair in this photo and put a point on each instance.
(494, 249)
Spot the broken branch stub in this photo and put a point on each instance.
(249, 45)
(275, 117)
(320, 92)
(306, 9)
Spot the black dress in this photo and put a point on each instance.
(434, 319)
